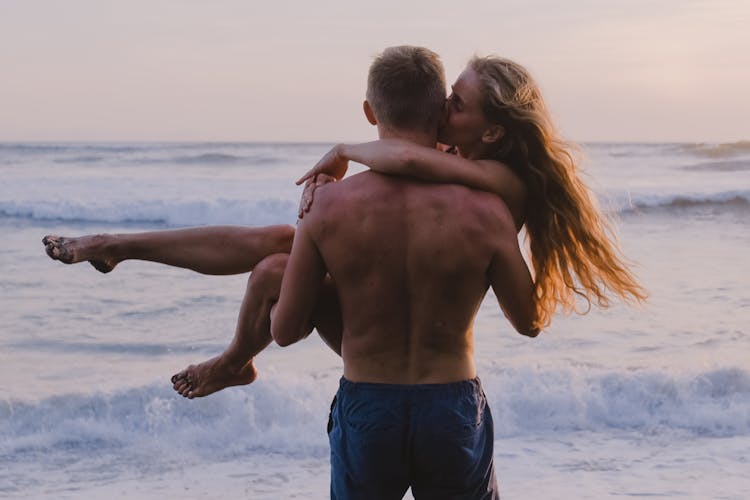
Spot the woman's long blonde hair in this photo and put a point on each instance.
(573, 248)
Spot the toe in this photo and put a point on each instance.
(180, 386)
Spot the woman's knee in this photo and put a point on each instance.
(269, 271)
(283, 235)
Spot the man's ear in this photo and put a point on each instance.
(369, 113)
(493, 134)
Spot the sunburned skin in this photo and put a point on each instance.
(74, 250)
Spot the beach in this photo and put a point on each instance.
(631, 401)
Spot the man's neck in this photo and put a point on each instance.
(416, 136)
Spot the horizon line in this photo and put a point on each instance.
(322, 142)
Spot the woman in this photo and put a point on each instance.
(496, 117)
(504, 142)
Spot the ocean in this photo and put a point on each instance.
(646, 401)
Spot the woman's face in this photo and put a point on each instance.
(464, 122)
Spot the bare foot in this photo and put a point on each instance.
(200, 380)
(73, 250)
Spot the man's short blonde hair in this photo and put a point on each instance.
(406, 88)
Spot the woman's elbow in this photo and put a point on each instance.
(525, 325)
(405, 159)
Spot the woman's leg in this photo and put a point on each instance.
(253, 333)
(208, 250)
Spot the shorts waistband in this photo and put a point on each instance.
(469, 386)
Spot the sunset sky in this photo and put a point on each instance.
(281, 70)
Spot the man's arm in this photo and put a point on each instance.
(511, 281)
(291, 316)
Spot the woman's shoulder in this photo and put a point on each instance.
(510, 187)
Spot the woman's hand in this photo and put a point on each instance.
(333, 164)
(308, 193)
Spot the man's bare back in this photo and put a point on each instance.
(412, 262)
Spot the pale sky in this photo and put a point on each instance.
(282, 70)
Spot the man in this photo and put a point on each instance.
(411, 262)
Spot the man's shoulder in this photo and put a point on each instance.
(367, 178)
(470, 198)
(337, 196)
(354, 186)
(373, 189)
(486, 209)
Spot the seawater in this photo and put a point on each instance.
(630, 401)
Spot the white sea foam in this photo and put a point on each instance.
(283, 210)
(288, 414)
(630, 401)
(260, 212)
(722, 201)
(713, 403)
(285, 417)
(252, 184)
(722, 150)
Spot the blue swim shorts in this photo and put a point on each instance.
(435, 438)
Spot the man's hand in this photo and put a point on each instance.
(308, 193)
(333, 164)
